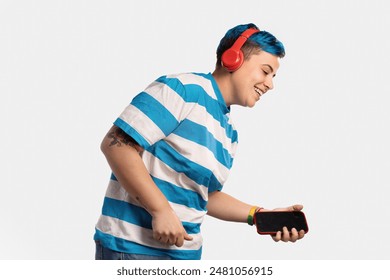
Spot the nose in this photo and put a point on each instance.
(269, 83)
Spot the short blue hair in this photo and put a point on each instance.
(262, 40)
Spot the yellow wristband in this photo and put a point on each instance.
(251, 214)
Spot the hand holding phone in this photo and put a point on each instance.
(270, 222)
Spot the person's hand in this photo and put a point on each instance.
(168, 229)
(285, 235)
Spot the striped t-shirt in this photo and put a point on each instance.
(189, 142)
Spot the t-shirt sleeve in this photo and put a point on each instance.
(154, 113)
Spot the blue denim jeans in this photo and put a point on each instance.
(103, 253)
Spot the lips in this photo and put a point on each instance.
(259, 91)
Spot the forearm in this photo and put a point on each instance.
(128, 167)
(225, 207)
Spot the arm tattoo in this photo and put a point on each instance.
(119, 137)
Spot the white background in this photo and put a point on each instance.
(68, 68)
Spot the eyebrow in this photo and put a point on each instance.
(272, 69)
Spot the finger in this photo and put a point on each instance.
(285, 235)
(294, 235)
(297, 207)
(157, 236)
(172, 239)
(277, 236)
(179, 241)
(301, 234)
(164, 239)
(187, 236)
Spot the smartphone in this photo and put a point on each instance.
(274, 221)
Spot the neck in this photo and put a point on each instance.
(222, 78)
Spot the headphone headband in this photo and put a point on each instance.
(233, 57)
(243, 38)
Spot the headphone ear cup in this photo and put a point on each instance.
(232, 59)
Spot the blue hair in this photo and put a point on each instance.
(262, 40)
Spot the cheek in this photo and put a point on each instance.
(260, 77)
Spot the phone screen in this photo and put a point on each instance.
(272, 222)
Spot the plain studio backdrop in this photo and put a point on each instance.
(320, 138)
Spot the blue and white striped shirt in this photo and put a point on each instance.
(184, 126)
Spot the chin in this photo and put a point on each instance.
(251, 105)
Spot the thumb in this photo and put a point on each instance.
(296, 207)
(187, 236)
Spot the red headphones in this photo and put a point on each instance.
(233, 57)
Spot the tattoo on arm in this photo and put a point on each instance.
(119, 137)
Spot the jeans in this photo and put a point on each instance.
(103, 253)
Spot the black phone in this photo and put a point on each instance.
(270, 222)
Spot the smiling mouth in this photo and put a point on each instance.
(259, 92)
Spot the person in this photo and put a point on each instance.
(171, 149)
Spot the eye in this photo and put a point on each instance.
(265, 72)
